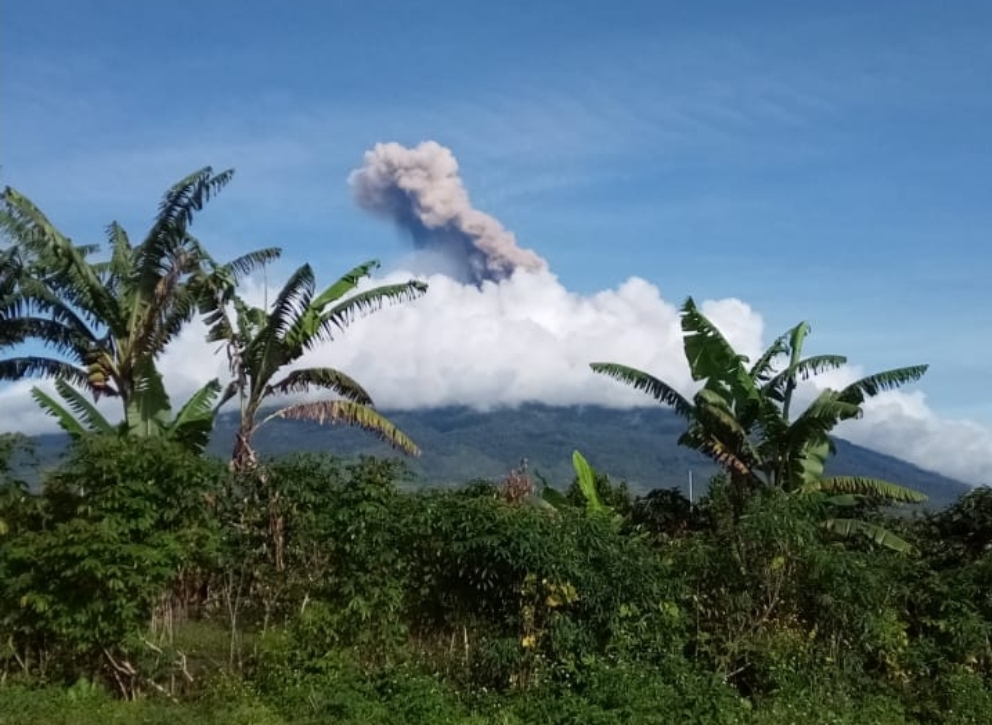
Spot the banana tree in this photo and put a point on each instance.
(191, 426)
(740, 417)
(108, 321)
(263, 344)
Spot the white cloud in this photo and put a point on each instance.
(901, 424)
(530, 339)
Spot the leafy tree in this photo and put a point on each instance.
(108, 321)
(963, 531)
(89, 558)
(262, 345)
(741, 417)
(664, 513)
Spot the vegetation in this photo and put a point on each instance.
(635, 445)
(740, 418)
(145, 581)
(109, 320)
(261, 344)
(472, 604)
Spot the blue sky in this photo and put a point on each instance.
(830, 162)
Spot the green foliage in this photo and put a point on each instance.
(85, 704)
(460, 606)
(262, 344)
(90, 557)
(613, 498)
(779, 608)
(741, 419)
(312, 590)
(525, 594)
(586, 478)
(964, 530)
(589, 489)
(664, 514)
(630, 694)
(191, 426)
(108, 321)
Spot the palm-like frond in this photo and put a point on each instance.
(872, 488)
(802, 462)
(195, 420)
(879, 535)
(716, 432)
(80, 417)
(260, 343)
(640, 380)
(120, 264)
(213, 303)
(265, 351)
(170, 323)
(587, 483)
(872, 385)
(49, 332)
(822, 415)
(215, 289)
(709, 354)
(801, 370)
(347, 283)
(725, 456)
(147, 413)
(316, 325)
(230, 391)
(349, 413)
(740, 417)
(199, 406)
(17, 368)
(363, 303)
(66, 420)
(167, 255)
(186, 197)
(241, 267)
(62, 263)
(308, 379)
(710, 404)
(763, 366)
(114, 317)
(291, 303)
(27, 225)
(33, 296)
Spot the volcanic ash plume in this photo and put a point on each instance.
(420, 189)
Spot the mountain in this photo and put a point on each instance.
(637, 445)
(460, 444)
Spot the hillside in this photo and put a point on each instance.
(633, 445)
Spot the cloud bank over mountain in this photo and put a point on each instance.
(498, 328)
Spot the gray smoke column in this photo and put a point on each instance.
(420, 190)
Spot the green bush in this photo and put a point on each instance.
(459, 606)
(86, 704)
(88, 560)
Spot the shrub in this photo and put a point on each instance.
(91, 557)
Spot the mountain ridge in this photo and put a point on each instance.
(636, 445)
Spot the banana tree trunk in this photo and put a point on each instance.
(244, 461)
